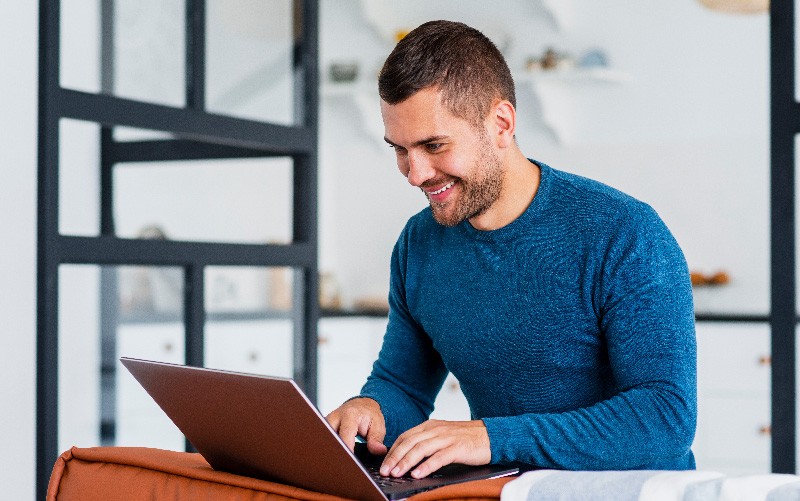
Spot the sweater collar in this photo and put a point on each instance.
(525, 220)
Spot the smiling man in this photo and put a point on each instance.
(562, 306)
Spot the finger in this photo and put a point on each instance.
(348, 429)
(376, 447)
(412, 451)
(432, 464)
(375, 436)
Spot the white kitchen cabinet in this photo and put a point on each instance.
(733, 434)
(347, 348)
(733, 393)
(253, 346)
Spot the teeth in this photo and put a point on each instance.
(443, 188)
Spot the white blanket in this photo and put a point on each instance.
(650, 486)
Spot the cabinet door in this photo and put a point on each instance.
(733, 391)
(257, 347)
(140, 421)
(347, 349)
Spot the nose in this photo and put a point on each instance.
(419, 169)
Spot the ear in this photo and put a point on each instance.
(503, 123)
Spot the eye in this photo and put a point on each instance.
(433, 147)
(397, 149)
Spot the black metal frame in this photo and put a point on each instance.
(198, 135)
(785, 124)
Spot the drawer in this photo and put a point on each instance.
(346, 351)
(733, 434)
(163, 342)
(733, 358)
(345, 338)
(258, 347)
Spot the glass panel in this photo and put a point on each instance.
(797, 52)
(99, 401)
(249, 323)
(249, 58)
(243, 200)
(797, 212)
(148, 49)
(149, 55)
(80, 46)
(79, 368)
(79, 178)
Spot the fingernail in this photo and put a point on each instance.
(384, 471)
(396, 470)
(415, 473)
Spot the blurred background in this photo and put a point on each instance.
(667, 101)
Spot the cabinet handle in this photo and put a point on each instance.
(765, 360)
(765, 430)
(253, 356)
(322, 340)
(168, 347)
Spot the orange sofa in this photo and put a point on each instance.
(138, 473)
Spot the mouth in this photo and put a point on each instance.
(441, 190)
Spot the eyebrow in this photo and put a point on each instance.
(427, 140)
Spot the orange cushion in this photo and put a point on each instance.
(126, 473)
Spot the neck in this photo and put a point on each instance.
(520, 183)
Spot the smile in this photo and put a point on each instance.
(442, 189)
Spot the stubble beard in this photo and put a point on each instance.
(478, 193)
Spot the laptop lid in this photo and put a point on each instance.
(265, 427)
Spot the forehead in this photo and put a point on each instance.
(421, 115)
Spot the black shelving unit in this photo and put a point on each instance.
(195, 134)
(784, 126)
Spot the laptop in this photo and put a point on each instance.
(265, 427)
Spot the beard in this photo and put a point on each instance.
(479, 191)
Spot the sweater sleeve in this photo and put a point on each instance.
(644, 305)
(409, 372)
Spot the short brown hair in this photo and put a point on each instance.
(467, 67)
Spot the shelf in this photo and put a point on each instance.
(233, 316)
(598, 75)
(554, 91)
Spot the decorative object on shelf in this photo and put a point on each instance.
(343, 72)
(150, 289)
(330, 298)
(280, 289)
(550, 60)
(593, 58)
(700, 279)
(737, 6)
(371, 303)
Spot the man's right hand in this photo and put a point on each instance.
(360, 416)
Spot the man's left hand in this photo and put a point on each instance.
(442, 443)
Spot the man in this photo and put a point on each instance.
(562, 306)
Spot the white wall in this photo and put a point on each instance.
(18, 37)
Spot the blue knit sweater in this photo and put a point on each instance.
(571, 331)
